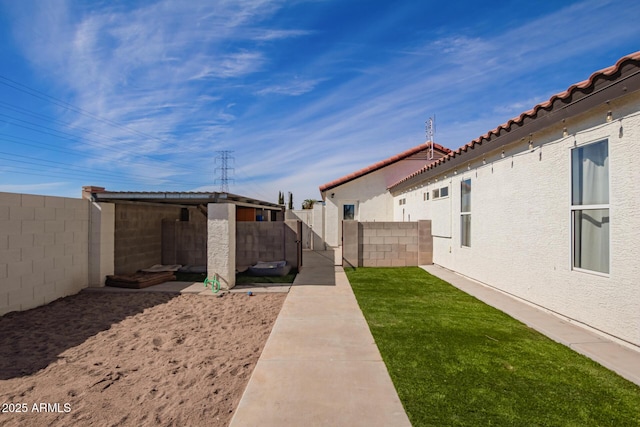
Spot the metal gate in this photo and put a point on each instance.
(306, 233)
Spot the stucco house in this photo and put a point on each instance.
(543, 207)
(363, 195)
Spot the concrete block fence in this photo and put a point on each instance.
(184, 242)
(51, 247)
(44, 249)
(386, 244)
(234, 243)
(259, 241)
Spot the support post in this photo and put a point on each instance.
(350, 244)
(221, 243)
(425, 243)
(102, 218)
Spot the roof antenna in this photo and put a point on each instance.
(430, 127)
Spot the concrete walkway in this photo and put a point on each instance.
(320, 365)
(622, 360)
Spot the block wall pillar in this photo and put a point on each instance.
(425, 243)
(350, 244)
(292, 235)
(221, 244)
(318, 243)
(101, 242)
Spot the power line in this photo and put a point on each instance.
(79, 139)
(105, 143)
(69, 167)
(84, 141)
(37, 127)
(60, 103)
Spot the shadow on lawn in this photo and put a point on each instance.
(31, 340)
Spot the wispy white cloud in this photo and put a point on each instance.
(294, 87)
(231, 65)
(518, 107)
(269, 34)
(187, 78)
(41, 188)
(143, 67)
(371, 117)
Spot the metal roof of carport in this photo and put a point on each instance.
(181, 198)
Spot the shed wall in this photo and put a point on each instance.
(138, 235)
(266, 241)
(185, 242)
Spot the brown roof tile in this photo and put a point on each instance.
(530, 114)
(381, 164)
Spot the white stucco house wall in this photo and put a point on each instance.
(363, 195)
(545, 207)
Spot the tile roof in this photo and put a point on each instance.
(549, 105)
(381, 164)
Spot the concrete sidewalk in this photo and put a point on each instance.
(320, 365)
(622, 360)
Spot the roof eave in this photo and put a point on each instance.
(377, 166)
(183, 199)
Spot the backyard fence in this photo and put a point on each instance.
(386, 244)
(44, 249)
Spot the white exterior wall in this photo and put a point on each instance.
(318, 227)
(312, 226)
(376, 208)
(410, 206)
(369, 195)
(521, 222)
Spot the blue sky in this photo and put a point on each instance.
(140, 95)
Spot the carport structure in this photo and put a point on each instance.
(134, 230)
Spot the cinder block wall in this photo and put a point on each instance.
(265, 241)
(138, 235)
(44, 244)
(185, 242)
(386, 244)
(389, 244)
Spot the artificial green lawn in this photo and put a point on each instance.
(241, 278)
(247, 278)
(457, 361)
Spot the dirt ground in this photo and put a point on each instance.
(123, 359)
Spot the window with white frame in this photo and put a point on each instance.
(465, 212)
(590, 207)
(348, 212)
(440, 192)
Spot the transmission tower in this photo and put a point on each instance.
(222, 159)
